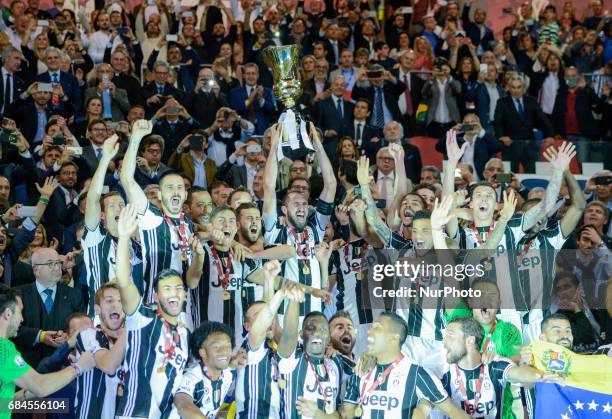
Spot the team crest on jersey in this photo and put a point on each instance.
(206, 391)
(472, 385)
(557, 362)
(19, 361)
(395, 380)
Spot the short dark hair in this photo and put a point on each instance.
(95, 121)
(217, 184)
(8, 298)
(106, 195)
(424, 186)
(554, 316)
(100, 292)
(204, 330)
(72, 317)
(237, 190)
(341, 313)
(313, 314)
(399, 325)
(150, 140)
(470, 327)
(421, 215)
(193, 190)
(583, 228)
(418, 196)
(167, 174)
(566, 275)
(245, 206)
(69, 163)
(165, 274)
(366, 101)
(473, 187)
(221, 208)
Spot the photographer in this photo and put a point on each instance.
(173, 123)
(441, 94)
(119, 104)
(159, 91)
(207, 98)
(190, 159)
(226, 134)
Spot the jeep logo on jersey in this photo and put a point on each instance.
(177, 360)
(330, 392)
(484, 409)
(354, 267)
(384, 402)
(232, 284)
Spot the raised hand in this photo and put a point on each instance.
(48, 187)
(276, 136)
(453, 150)
(128, 221)
(397, 152)
(322, 251)
(440, 216)
(342, 215)
(110, 146)
(563, 157)
(142, 128)
(196, 245)
(271, 269)
(509, 205)
(363, 172)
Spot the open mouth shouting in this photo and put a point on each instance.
(174, 304)
(175, 201)
(419, 244)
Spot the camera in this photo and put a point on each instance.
(196, 143)
(466, 127)
(503, 177)
(374, 74)
(603, 180)
(7, 136)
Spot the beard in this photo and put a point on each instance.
(453, 358)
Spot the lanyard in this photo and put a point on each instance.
(181, 231)
(216, 392)
(348, 260)
(224, 276)
(462, 387)
(477, 234)
(316, 374)
(486, 342)
(171, 339)
(381, 379)
(298, 243)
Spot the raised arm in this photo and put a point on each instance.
(108, 360)
(128, 224)
(194, 273)
(560, 161)
(271, 172)
(45, 194)
(328, 193)
(265, 318)
(134, 192)
(454, 153)
(93, 209)
(573, 214)
(289, 337)
(371, 212)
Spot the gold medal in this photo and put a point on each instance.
(329, 409)
(358, 411)
(226, 295)
(161, 369)
(359, 276)
(120, 390)
(282, 383)
(305, 269)
(243, 293)
(183, 256)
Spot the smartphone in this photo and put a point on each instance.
(226, 115)
(374, 74)
(150, 2)
(603, 180)
(507, 10)
(187, 13)
(113, 125)
(504, 177)
(122, 30)
(43, 23)
(406, 10)
(24, 212)
(172, 110)
(76, 150)
(253, 149)
(466, 127)
(45, 87)
(484, 68)
(58, 140)
(171, 38)
(196, 142)
(105, 79)
(458, 173)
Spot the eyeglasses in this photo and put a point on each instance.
(99, 129)
(52, 264)
(153, 150)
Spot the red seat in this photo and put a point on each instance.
(427, 148)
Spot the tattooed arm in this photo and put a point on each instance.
(371, 213)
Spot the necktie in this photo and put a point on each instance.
(98, 153)
(41, 122)
(48, 300)
(251, 109)
(160, 90)
(378, 109)
(521, 110)
(339, 107)
(408, 97)
(7, 92)
(55, 78)
(358, 134)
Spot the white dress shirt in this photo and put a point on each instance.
(385, 181)
(70, 198)
(401, 102)
(199, 177)
(251, 172)
(549, 93)
(442, 114)
(41, 288)
(359, 130)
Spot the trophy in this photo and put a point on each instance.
(283, 62)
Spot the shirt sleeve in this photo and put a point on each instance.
(429, 387)
(188, 383)
(352, 389)
(13, 365)
(140, 318)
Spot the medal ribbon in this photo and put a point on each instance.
(486, 342)
(224, 275)
(316, 374)
(381, 379)
(181, 231)
(298, 243)
(348, 260)
(171, 340)
(462, 387)
(216, 393)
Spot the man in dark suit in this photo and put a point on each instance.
(382, 91)
(186, 72)
(334, 114)
(96, 133)
(476, 30)
(394, 133)
(69, 83)
(410, 98)
(516, 116)
(62, 210)
(317, 87)
(333, 43)
(486, 95)
(32, 113)
(252, 101)
(173, 123)
(244, 174)
(119, 104)
(367, 138)
(47, 303)
(484, 146)
(11, 86)
(207, 98)
(159, 91)
(122, 79)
